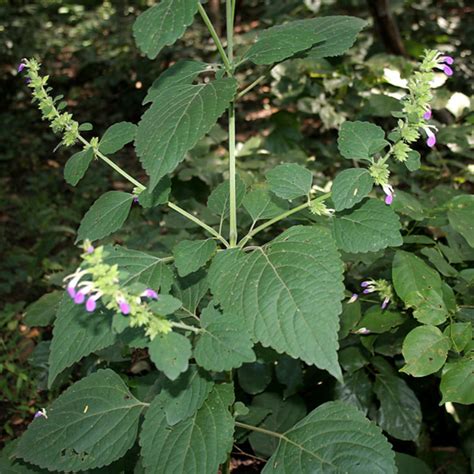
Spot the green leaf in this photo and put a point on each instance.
(165, 305)
(290, 180)
(283, 415)
(400, 412)
(191, 290)
(289, 373)
(261, 204)
(106, 215)
(255, 377)
(77, 165)
(378, 321)
(93, 423)
(370, 227)
(410, 465)
(195, 445)
(170, 353)
(425, 350)
(77, 334)
(182, 72)
(288, 293)
(460, 335)
(407, 204)
(140, 267)
(185, 114)
(360, 140)
(457, 383)
(43, 311)
(158, 196)
(350, 187)
(356, 390)
(162, 24)
(352, 359)
(117, 136)
(461, 216)
(183, 397)
(413, 162)
(329, 36)
(191, 255)
(225, 342)
(356, 445)
(219, 200)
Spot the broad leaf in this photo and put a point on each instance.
(289, 372)
(77, 334)
(350, 187)
(140, 267)
(195, 445)
(117, 136)
(177, 119)
(219, 200)
(460, 335)
(191, 290)
(93, 423)
(407, 464)
(461, 216)
(191, 255)
(183, 72)
(170, 353)
(290, 180)
(77, 165)
(360, 140)
(457, 383)
(425, 350)
(106, 215)
(356, 390)
(162, 24)
(288, 292)
(378, 321)
(261, 204)
(370, 227)
(224, 343)
(356, 445)
(329, 36)
(43, 311)
(166, 305)
(158, 196)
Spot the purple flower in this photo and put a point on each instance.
(446, 59)
(79, 297)
(442, 63)
(90, 249)
(385, 303)
(71, 290)
(365, 284)
(21, 66)
(368, 290)
(149, 293)
(40, 413)
(431, 141)
(427, 114)
(124, 307)
(135, 200)
(388, 190)
(91, 303)
(353, 298)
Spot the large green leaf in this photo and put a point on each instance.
(43, 311)
(461, 216)
(176, 120)
(225, 342)
(261, 204)
(162, 24)
(93, 423)
(219, 199)
(410, 465)
(333, 438)
(159, 195)
(356, 390)
(106, 215)
(288, 292)
(140, 267)
(457, 382)
(77, 334)
(360, 140)
(191, 255)
(370, 227)
(195, 445)
(77, 165)
(350, 187)
(425, 350)
(191, 290)
(329, 36)
(117, 136)
(290, 180)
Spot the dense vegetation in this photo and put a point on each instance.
(315, 126)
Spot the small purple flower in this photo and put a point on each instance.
(79, 297)
(124, 307)
(388, 190)
(91, 303)
(385, 303)
(353, 298)
(149, 293)
(21, 66)
(365, 284)
(71, 290)
(40, 413)
(90, 249)
(442, 63)
(427, 115)
(431, 141)
(446, 59)
(135, 200)
(368, 290)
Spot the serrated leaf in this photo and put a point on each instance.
(159, 195)
(425, 350)
(182, 72)
(76, 167)
(288, 292)
(93, 423)
(356, 390)
(195, 445)
(191, 255)
(224, 344)
(357, 445)
(140, 267)
(117, 136)
(43, 311)
(185, 113)
(290, 180)
(329, 36)
(77, 334)
(219, 200)
(360, 140)
(162, 24)
(191, 290)
(350, 187)
(261, 204)
(461, 216)
(457, 383)
(370, 227)
(106, 215)
(170, 353)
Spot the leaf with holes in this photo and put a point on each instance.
(357, 445)
(77, 165)
(93, 423)
(191, 255)
(185, 113)
(290, 181)
(350, 187)
(288, 293)
(162, 24)
(360, 140)
(117, 136)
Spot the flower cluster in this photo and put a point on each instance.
(382, 287)
(319, 208)
(97, 280)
